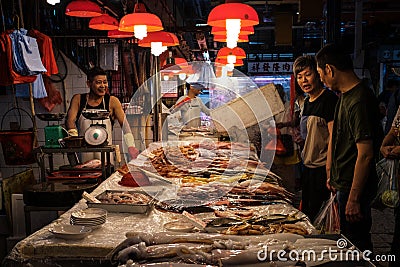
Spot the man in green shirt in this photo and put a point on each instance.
(356, 138)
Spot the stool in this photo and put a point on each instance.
(29, 209)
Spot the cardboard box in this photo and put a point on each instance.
(249, 109)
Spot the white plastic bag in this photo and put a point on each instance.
(328, 220)
(388, 193)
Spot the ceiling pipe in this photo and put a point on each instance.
(103, 5)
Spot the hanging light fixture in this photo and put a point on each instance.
(231, 54)
(222, 30)
(232, 16)
(140, 22)
(53, 2)
(118, 34)
(224, 61)
(83, 9)
(222, 38)
(159, 41)
(178, 61)
(104, 22)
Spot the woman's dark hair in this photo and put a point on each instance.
(335, 55)
(303, 62)
(93, 72)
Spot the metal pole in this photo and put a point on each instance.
(157, 101)
(21, 15)
(332, 33)
(35, 138)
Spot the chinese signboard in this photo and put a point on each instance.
(270, 67)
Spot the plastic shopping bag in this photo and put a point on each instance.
(388, 190)
(328, 220)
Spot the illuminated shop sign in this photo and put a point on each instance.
(270, 67)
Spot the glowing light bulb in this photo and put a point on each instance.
(231, 59)
(53, 2)
(232, 32)
(140, 31)
(157, 48)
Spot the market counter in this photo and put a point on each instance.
(249, 211)
(44, 249)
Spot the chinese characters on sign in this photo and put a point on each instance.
(269, 67)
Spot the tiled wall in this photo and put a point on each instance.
(75, 83)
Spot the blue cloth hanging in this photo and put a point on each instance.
(26, 55)
(38, 88)
(22, 90)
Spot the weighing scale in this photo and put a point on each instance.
(96, 134)
(53, 132)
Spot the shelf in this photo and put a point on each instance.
(104, 150)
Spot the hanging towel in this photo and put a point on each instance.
(38, 88)
(26, 55)
(18, 62)
(31, 54)
(46, 51)
(8, 75)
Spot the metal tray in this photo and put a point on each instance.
(129, 208)
(51, 116)
(96, 114)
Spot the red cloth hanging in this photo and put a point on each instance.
(7, 75)
(53, 95)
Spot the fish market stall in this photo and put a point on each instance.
(182, 212)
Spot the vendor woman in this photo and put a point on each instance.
(190, 105)
(98, 98)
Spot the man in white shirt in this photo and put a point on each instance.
(190, 106)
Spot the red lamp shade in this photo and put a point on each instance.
(224, 61)
(140, 17)
(83, 9)
(222, 30)
(166, 38)
(220, 13)
(222, 38)
(158, 41)
(103, 22)
(225, 52)
(178, 61)
(119, 34)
